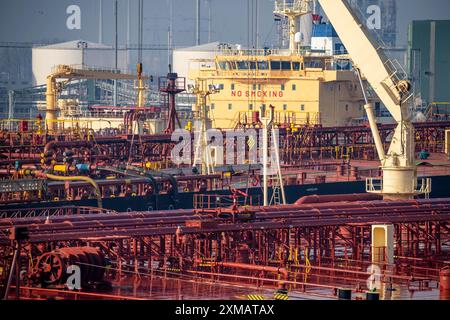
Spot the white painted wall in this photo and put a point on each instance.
(328, 44)
(306, 28)
(184, 60)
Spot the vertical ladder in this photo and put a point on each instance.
(276, 191)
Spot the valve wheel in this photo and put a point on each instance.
(51, 266)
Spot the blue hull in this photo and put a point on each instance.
(440, 189)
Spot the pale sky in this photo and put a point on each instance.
(45, 20)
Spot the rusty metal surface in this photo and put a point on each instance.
(313, 248)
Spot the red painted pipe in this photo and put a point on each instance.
(338, 198)
(137, 231)
(130, 222)
(24, 161)
(81, 143)
(292, 212)
(253, 267)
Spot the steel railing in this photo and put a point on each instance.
(420, 186)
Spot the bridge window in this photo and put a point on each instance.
(263, 65)
(314, 64)
(275, 65)
(296, 66)
(225, 65)
(242, 65)
(252, 65)
(286, 65)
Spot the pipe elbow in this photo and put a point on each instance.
(283, 272)
(49, 146)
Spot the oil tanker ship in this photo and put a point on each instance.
(326, 144)
(333, 207)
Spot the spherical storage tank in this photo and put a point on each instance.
(75, 53)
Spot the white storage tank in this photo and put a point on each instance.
(78, 52)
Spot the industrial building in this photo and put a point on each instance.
(387, 31)
(22, 84)
(429, 62)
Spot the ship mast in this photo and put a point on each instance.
(202, 152)
(292, 10)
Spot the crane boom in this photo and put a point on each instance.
(398, 164)
(366, 54)
(70, 73)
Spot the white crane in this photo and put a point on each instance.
(398, 164)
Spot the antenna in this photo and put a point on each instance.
(128, 22)
(140, 30)
(169, 36)
(209, 2)
(141, 87)
(128, 34)
(116, 44)
(292, 11)
(100, 23)
(197, 31)
(257, 24)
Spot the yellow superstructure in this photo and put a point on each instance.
(304, 89)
